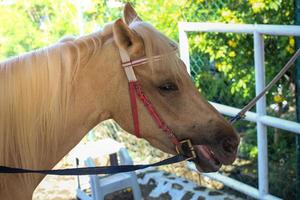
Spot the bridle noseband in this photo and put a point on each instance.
(183, 147)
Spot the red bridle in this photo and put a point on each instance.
(182, 147)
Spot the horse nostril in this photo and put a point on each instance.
(229, 145)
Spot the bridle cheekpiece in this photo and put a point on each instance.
(183, 147)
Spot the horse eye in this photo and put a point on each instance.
(167, 87)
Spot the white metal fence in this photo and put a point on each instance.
(262, 120)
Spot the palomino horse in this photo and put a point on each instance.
(50, 98)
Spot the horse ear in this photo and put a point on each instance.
(127, 39)
(130, 14)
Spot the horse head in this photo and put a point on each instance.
(169, 87)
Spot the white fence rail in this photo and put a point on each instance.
(262, 120)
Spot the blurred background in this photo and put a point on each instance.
(222, 67)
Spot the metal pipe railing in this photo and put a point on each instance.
(262, 120)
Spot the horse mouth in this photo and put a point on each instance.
(206, 160)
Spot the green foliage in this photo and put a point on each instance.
(231, 55)
(29, 25)
(248, 147)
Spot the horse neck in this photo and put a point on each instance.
(86, 106)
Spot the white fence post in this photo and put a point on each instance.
(262, 141)
(184, 48)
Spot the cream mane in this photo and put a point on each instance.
(35, 89)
